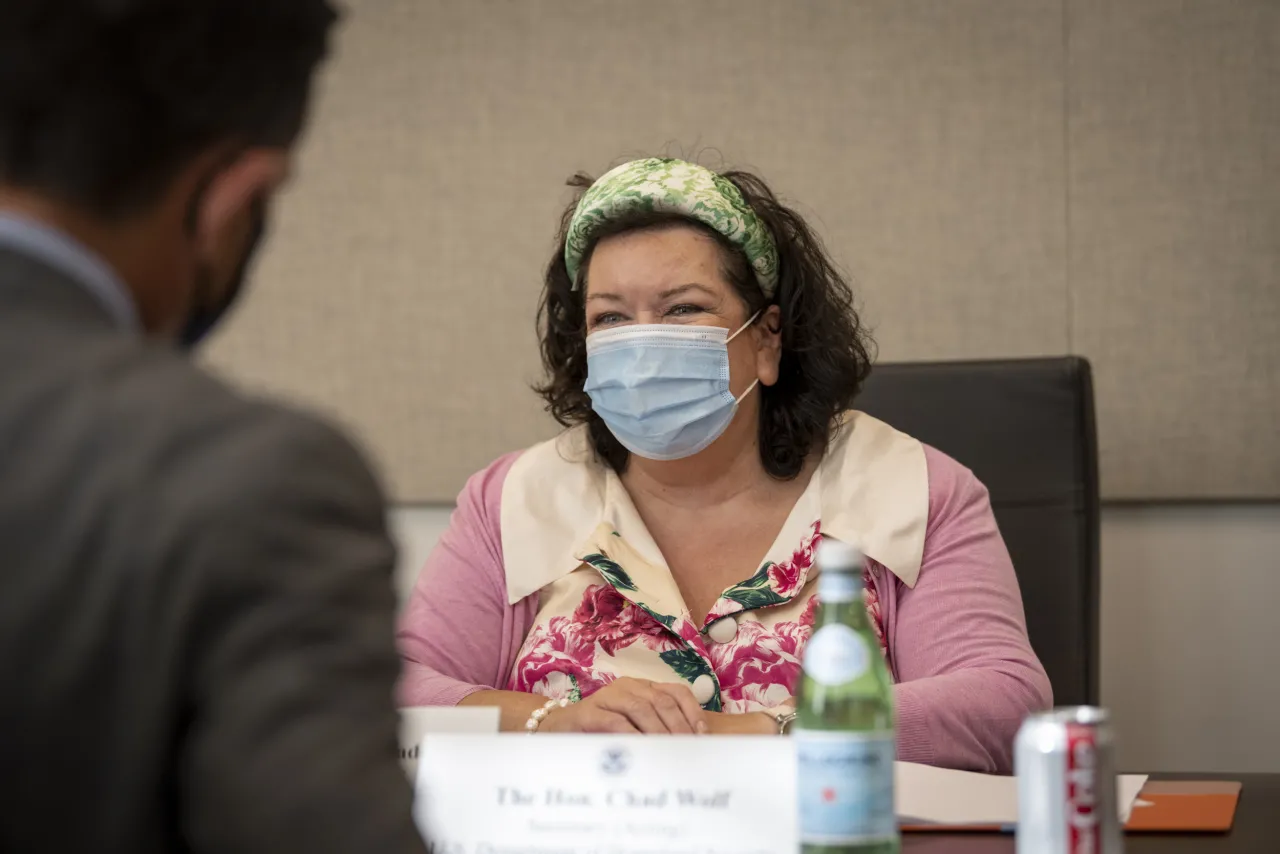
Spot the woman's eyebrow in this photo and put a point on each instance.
(667, 294)
(683, 289)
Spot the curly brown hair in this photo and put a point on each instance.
(826, 350)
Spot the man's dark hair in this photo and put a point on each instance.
(102, 102)
(826, 351)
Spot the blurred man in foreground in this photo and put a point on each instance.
(195, 604)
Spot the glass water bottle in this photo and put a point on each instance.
(844, 728)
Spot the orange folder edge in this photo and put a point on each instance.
(1185, 807)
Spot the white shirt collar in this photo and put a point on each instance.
(67, 255)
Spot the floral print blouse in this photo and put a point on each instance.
(752, 664)
(618, 613)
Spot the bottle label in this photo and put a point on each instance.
(845, 787)
(836, 655)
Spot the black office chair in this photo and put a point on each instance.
(1026, 429)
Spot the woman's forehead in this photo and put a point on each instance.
(653, 262)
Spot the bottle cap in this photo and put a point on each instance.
(835, 556)
(840, 565)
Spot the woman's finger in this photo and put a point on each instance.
(693, 713)
(636, 703)
(673, 716)
(605, 721)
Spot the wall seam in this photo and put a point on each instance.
(1068, 272)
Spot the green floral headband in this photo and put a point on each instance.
(673, 186)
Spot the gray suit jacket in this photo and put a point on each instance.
(196, 641)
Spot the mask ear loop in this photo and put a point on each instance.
(746, 325)
(750, 320)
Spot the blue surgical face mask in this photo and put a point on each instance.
(663, 391)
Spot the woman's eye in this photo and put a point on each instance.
(606, 319)
(684, 309)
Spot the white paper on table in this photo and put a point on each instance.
(1127, 788)
(417, 721)
(585, 794)
(928, 795)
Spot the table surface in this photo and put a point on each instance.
(1256, 829)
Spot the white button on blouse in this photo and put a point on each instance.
(723, 630)
(704, 688)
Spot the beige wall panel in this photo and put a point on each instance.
(1189, 636)
(1175, 240)
(925, 139)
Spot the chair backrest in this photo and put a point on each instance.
(1026, 429)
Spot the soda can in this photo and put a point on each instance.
(1065, 762)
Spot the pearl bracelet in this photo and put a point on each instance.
(539, 715)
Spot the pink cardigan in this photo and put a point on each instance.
(966, 674)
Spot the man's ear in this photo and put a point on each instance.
(252, 175)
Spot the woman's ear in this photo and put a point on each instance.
(767, 334)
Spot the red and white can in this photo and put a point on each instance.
(1065, 762)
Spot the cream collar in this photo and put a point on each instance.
(871, 489)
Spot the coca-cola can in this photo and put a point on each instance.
(1065, 762)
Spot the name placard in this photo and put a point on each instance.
(417, 721)
(581, 794)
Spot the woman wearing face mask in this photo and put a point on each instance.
(651, 569)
